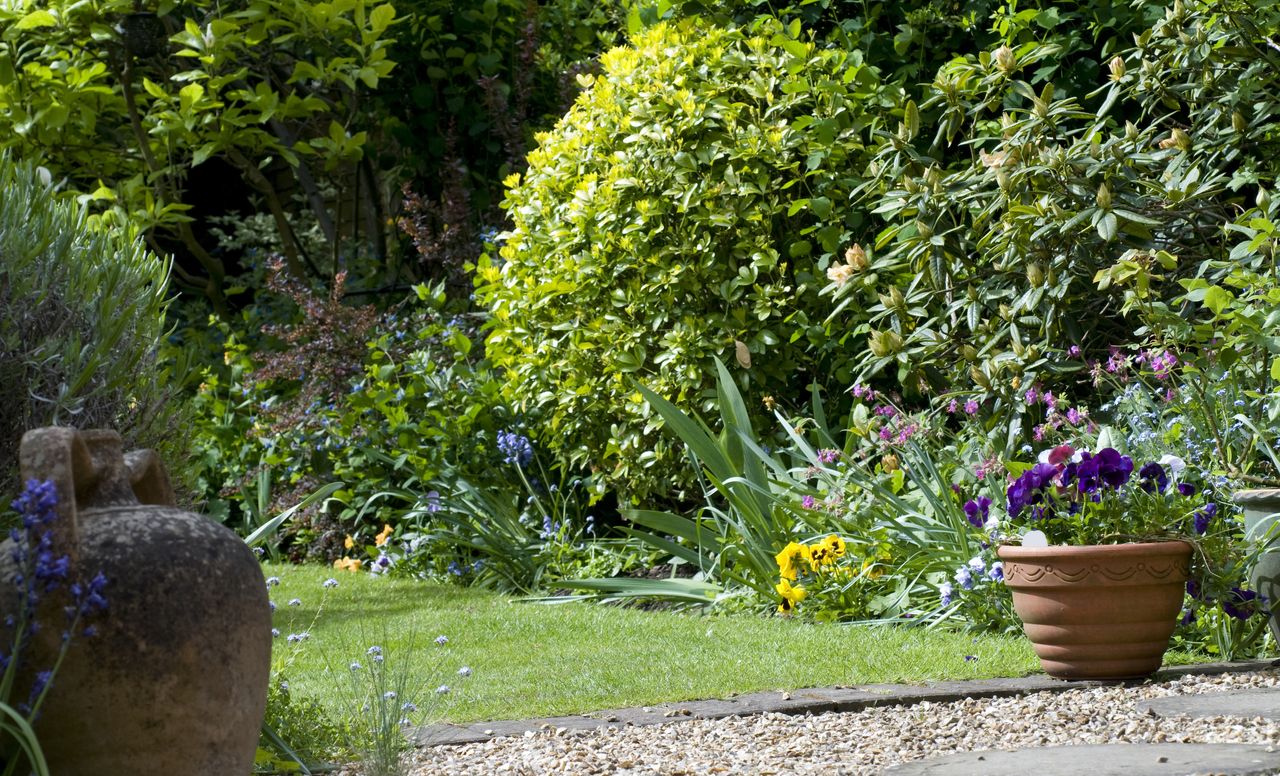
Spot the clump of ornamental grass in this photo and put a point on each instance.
(377, 691)
(382, 697)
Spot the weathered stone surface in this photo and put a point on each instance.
(175, 681)
(1104, 760)
(1253, 703)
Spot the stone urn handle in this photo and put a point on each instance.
(89, 470)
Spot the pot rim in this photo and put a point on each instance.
(1017, 552)
(1256, 496)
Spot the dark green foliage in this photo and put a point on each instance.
(411, 402)
(83, 313)
(1020, 223)
(269, 89)
(686, 207)
(303, 725)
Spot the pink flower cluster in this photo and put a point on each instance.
(970, 407)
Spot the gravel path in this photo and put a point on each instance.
(864, 742)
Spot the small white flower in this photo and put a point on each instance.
(464, 671)
(1173, 463)
(442, 689)
(442, 640)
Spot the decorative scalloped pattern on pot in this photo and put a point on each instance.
(1155, 570)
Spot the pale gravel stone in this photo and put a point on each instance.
(863, 742)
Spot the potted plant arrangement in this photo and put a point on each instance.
(1107, 552)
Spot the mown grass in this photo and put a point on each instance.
(531, 659)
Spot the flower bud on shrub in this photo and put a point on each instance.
(1104, 197)
(1035, 275)
(897, 299)
(1117, 68)
(884, 343)
(1005, 59)
(856, 257)
(980, 377)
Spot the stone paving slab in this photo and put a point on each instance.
(1104, 760)
(1242, 703)
(814, 700)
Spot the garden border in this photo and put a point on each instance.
(814, 700)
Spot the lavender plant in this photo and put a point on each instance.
(41, 577)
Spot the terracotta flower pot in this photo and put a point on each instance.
(1099, 611)
(1262, 523)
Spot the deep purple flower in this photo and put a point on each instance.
(1028, 488)
(1108, 467)
(1239, 604)
(1114, 469)
(1193, 588)
(1186, 489)
(1018, 495)
(1153, 478)
(1200, 520)
(977, 511)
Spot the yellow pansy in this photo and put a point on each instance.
(789, 559)
(791, 596)
(349, 543)
(381, 538)
(872, 568)
(834, 545)
(348, 564)
(819, 556)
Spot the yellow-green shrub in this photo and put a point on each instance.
(687, 206)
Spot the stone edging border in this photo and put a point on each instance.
(807, 701)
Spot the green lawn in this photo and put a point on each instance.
(532, 659)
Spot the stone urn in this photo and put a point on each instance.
(175, 679)
(1262, 525)
(1098, 611)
